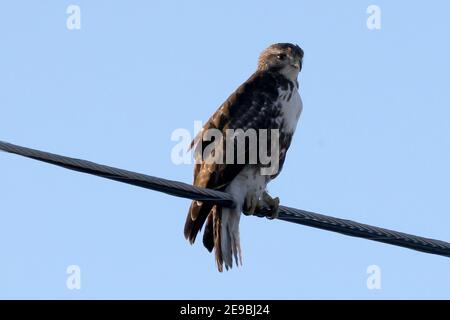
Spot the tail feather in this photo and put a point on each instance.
(230, 242)
(221, 231)
(217, 222)
(208, 235)
(198, 212)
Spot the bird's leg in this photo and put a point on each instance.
(273, 203)
(251, 204)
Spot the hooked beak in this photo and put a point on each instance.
(297, 65)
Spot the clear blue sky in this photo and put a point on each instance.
(373, 145)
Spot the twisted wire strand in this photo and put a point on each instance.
(184, 190)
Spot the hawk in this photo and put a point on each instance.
(269, 100)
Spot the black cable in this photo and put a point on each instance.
(180, 189)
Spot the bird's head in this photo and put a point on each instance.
(285, 58)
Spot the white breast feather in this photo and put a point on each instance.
(290, 110)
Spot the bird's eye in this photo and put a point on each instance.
(281, 56)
